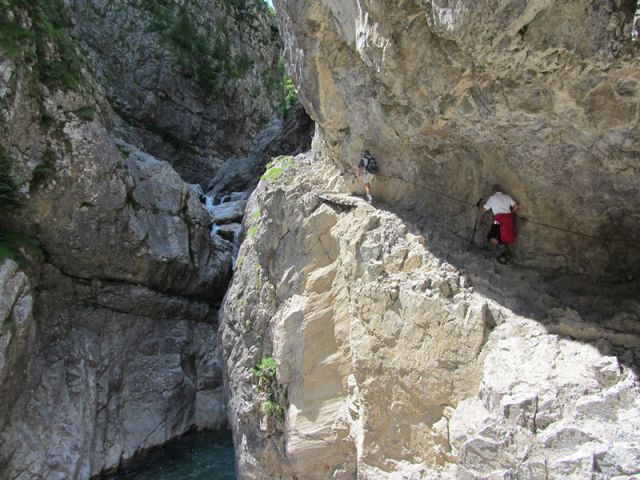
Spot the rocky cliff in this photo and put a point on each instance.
(192, 82)
(110, 278)
(354, 349)
(365, 342)
(454, 96)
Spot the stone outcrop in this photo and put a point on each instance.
(394, 362)
(108, 342)
(453, 96)
(194, 81)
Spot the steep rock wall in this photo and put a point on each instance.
(392, 362)
(453, 96)
(193, 81)
(108, 326)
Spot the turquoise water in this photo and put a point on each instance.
(195, 456)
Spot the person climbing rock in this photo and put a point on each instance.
(367, 167)
(503, 227)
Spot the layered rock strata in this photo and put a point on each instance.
(392, 362)
(454, 96)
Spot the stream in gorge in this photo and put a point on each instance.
(202, 455)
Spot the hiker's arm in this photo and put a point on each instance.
(514, 207)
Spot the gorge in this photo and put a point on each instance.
(346, 340)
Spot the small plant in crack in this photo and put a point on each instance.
(267, 388)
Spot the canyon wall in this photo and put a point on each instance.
(110, 278)
(539, 96)
(192, 82)
(379, 342)
(389, 361)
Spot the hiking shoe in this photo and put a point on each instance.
(370, 199)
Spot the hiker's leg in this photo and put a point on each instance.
(367, 188)
(494, 234)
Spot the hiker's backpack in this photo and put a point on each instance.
(371, 165)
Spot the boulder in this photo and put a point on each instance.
(228, 212)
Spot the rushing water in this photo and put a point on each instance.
(195, 456)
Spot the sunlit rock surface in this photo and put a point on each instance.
(394, 362)
(453, 96)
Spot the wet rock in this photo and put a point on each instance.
(228, 212)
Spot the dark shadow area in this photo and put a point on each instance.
(603, 314)
(204, 455)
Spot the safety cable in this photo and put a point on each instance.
(523, 219)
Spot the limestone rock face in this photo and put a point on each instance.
(453, 96)
(193, 81)
(129, 219)
(16, 327)
(288, 136)
(393, 362)
(113, 369)
(108, 340)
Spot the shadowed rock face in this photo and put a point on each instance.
(193, 81)
(109, 345)
(538, 96)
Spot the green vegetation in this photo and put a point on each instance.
(18, 247)
(277, 167)
(47, 121)
(289, 95)
(280, 81)
(265, 371)
(271, 408)
(7, 324)
(201, 53)
(255, 216)
(252, 232)
(86, 113)
(44, 171)
(44, 44)
(268, 388)
(257, 279)
(9, 196)
(123, 150)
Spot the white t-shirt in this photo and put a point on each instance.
(499, 203)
